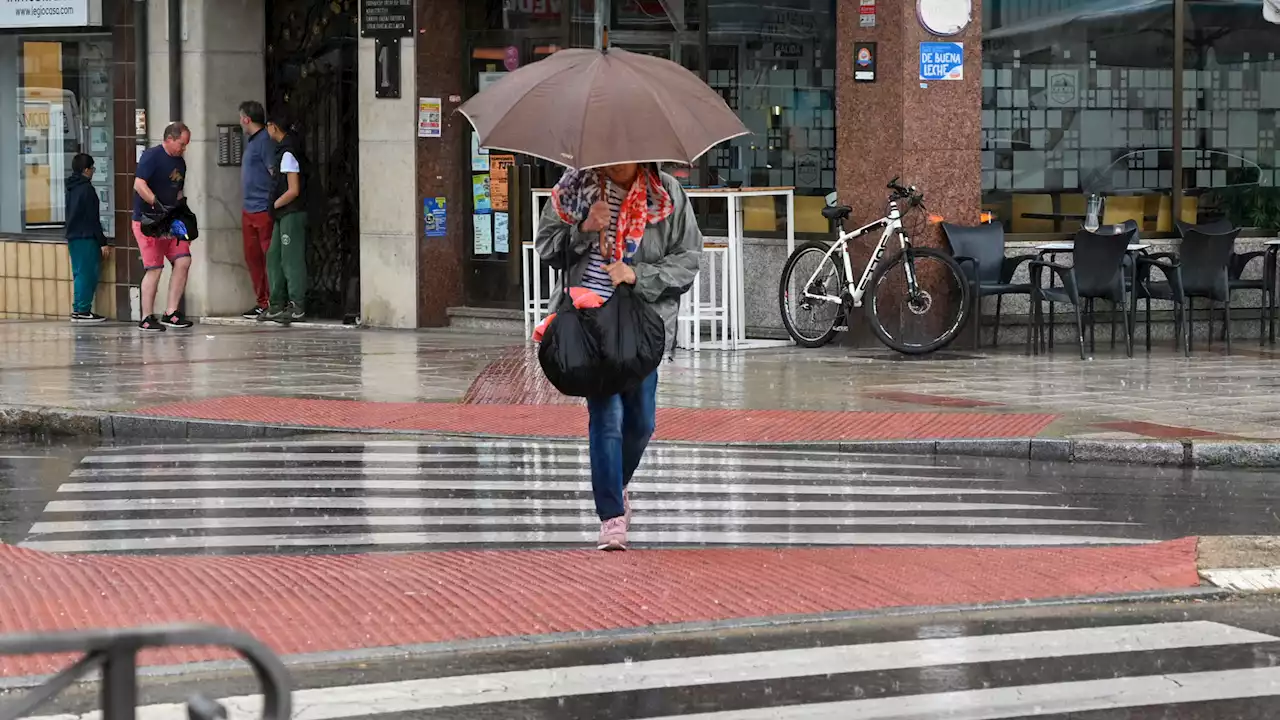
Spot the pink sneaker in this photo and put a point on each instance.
(613, 534)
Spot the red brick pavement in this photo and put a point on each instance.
(303, 604)
(565, 421)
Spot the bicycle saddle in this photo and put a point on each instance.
(839, 212)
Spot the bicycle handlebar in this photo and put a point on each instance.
(910, 194)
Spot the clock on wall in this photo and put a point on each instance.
(944, 17)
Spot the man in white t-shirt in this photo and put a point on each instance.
(287, 258)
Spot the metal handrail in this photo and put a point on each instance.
(115, 652)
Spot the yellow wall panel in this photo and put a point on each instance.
(64, 297)
(50, 252)
(11, 295)
(4, 259)
(4, 297)
(104, 301)
(37, 297)
(24, 260)
(24, 294)
(62, 263)
(51, 297)
(37, 260)
(10, 259)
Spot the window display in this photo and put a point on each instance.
(63, 98)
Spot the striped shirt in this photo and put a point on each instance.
(594, 277)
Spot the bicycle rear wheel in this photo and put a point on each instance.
(811, 322)
(929, 319)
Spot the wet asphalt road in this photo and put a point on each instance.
(370, 495)
(1189, 660)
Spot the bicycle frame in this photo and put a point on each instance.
(891, 222)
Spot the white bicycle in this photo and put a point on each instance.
(919, 300)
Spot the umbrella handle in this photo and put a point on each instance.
(604, 196)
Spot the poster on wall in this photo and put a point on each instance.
(483, 202)
(483, 238)
(499, 181)
(429, 117)
(479, 155)
(98, 110)
(99, 140)
(501, 233)
(433, 216)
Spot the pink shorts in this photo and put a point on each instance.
(155, 250)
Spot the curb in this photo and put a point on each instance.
(48, 422)
(651, 633)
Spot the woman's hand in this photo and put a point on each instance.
(597, 217)
(620, 273)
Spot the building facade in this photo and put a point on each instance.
(1048, 101)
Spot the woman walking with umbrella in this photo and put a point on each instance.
(622, 224)
(614, 218)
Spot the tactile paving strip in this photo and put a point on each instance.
(692, 424)
(316, 603)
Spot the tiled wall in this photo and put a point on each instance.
(35, 282)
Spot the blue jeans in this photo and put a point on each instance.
(619, 430)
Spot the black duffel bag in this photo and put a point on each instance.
(594, 352)
(632, 339)
(570, 352)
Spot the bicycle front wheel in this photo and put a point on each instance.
(923, 320)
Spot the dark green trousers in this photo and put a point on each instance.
(287, 261)
(86, 256)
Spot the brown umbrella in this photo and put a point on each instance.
(588, 108)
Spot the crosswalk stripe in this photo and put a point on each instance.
(579, 458)
(374, 483)
(583, 471)
(1023, 700)
(583, 536)
(656, 449)
(485, 689)
(687, 495)
(584, 518)
(390, 503)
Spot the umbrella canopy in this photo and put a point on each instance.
(588, 108)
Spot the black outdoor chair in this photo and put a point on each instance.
(1100, 272)
(1170, 289)
(1206, 265)
(980, 251)
(1235, 272)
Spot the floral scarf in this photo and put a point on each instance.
(647, 202)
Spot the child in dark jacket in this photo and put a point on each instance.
(86, 241)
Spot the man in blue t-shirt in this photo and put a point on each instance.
(158, 183)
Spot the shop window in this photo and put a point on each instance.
(58, 91)
(775, 65)
(1077, 98)
(1231, 96)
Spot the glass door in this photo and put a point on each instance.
(497, 217)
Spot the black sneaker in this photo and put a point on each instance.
(176, 320)
(288, 315)
(86, 317)
(150, 324)
(253, 313)
(295, 313)
(271, 315)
